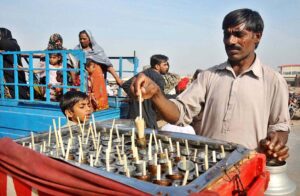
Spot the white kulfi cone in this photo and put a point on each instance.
(140, 126)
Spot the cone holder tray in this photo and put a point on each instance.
(192, 152)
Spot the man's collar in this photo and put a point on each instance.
(255, 67)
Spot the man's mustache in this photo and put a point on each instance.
(232, 47)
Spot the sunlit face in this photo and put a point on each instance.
(163, 67)
(84, 40)
(54, 59)
(82, 110)
(58, 43)
(239, 42)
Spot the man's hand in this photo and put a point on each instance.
(145, 85)
(274, 145)
(150, 90)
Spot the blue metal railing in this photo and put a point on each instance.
(31, 55)
(31, 68)
(133, 60)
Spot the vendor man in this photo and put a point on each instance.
(242, 100)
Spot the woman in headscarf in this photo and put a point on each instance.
(8, 43)
(96, 54)
(56, 43)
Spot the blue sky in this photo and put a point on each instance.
(189, 32)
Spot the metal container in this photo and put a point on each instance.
(279, 183)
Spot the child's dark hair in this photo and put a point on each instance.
(56, 47)
(57, 54)
(70, 98)
(59, 73)
(59, 76)
(88, 62)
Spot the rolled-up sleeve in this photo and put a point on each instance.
(279, 119)
(189, 102)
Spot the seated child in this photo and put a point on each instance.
(76, 105)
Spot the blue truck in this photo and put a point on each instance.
(19, 117)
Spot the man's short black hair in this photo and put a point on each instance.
(252, 19)
(70, 98)
(157, 59)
